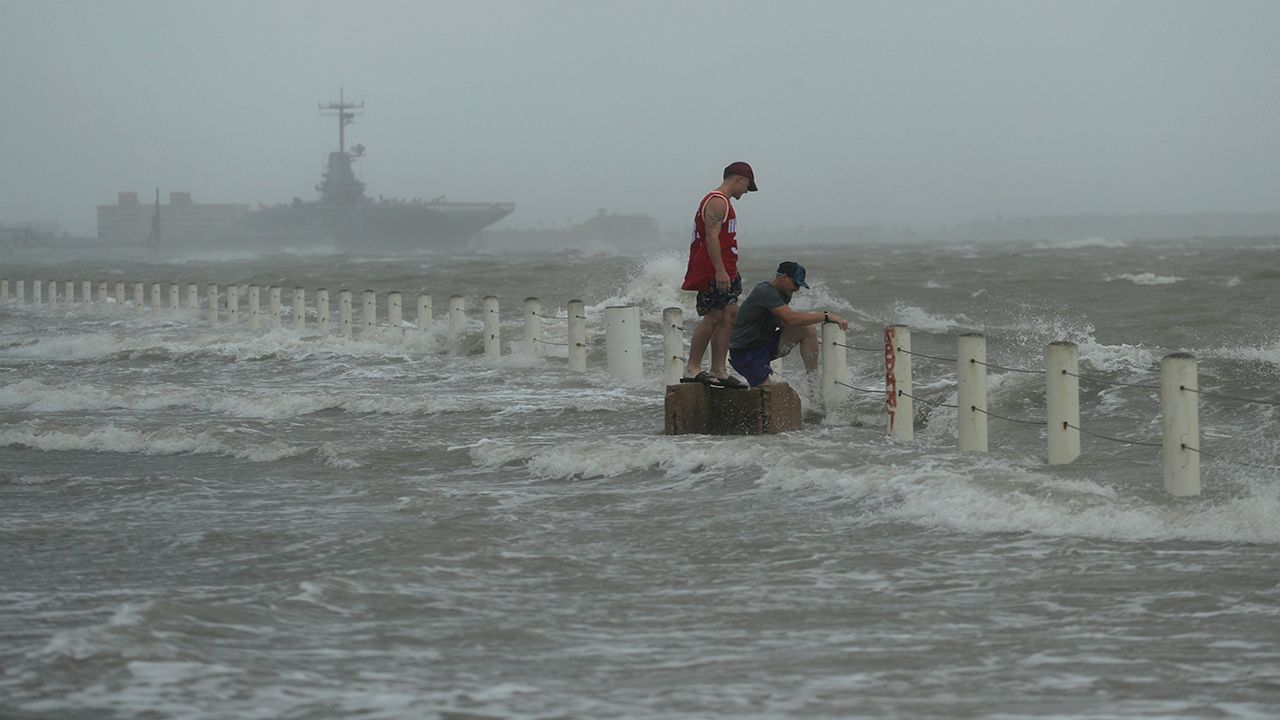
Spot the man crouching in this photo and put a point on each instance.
(767, 328)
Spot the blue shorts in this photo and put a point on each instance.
(753, 364)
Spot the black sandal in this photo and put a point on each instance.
(731, 382)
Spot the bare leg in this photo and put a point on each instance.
(807, 338)
(720, 342)
(702, 335)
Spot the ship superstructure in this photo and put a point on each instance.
(344, 217)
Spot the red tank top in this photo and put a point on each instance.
(701, 272)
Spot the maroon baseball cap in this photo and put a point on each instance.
(743, 169)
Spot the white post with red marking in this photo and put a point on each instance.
(897, 383)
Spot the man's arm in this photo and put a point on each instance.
(712, 218)
(789, 317)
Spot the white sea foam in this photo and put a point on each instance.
(994, 496)
(653, 285)
(606, 459)
(1247, 353)
(918, 318)
(1145, 278)
(170, 441)
(36, 396)
(1079, 243)
(1114, 358)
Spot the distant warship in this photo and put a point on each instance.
(347, 219)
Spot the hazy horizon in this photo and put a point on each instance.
(917, 114)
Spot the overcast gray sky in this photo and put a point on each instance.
(902, 113)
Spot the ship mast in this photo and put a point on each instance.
(342, 109)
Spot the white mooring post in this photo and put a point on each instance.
(424, 312)
(833, 359)
(86, 292)
(275, 311)
(1062, 401)
(492, 328)
(344, 313)
(577, 340)
(37, 290)
(156, 304)
(211, 301)
(395, 314)
(971, 392)
(457, 323)
(533, 346)
(370, 312)
(21, 290)
(622, 342)
(120, 298)
(4, 291)
(255, 308)
(138, 294)
(322, 310)
(299, 309)
(233, 304)
(102, 293)
(53, 292)
(1180, 419)
(175, 292)
(897, 383)
(69, 293)
(673, 352)
(193, 297)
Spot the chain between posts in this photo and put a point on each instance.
(864, 390)
(1091, 378)
(975, 408)
(548, 342)
(1219, 458)
(1112, 439)
(903, 393)
(1007, 369)
(931, 357)
(860, 349)
(1228, 397)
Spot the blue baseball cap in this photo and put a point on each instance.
(793, 270)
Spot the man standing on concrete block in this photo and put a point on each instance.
(767, 328)
(713, 273)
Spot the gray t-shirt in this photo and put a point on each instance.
(756, 322)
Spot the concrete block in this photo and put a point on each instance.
(697, 408)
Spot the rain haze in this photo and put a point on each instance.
(902, 114)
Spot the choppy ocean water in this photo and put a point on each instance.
(210, 522)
